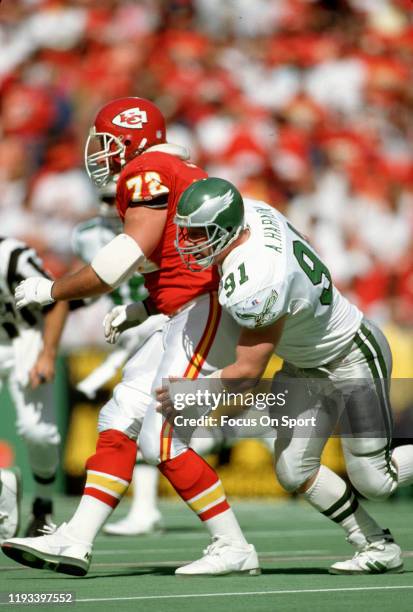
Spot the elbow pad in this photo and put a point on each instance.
(118, 260)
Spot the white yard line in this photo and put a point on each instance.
(241, 594)
(247, 593)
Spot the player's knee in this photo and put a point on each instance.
(292, 475)
(374, 476)
(202, 445)
(376, 488)
(115, 416)
(149, 447)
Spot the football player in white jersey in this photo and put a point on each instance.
(88, 238)
(29, 340)
(280, 293)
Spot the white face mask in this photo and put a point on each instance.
(200, 255)
(99, 150)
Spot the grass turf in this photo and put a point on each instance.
(295, 544)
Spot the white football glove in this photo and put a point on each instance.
(34, 290)
(121, 318)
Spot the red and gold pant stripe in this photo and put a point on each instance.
(195, 365)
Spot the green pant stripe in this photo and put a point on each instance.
(368, 355)
(352, 508)
(378, 381)
(340, 502)
(382, 391)
(377, 348)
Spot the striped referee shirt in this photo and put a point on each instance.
(17, 262)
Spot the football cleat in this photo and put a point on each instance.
(132, 525)
(41, 520)
(10, 495)
(380, 557)
(223, 556)
(59, 552)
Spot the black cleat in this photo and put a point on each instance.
(41, 520)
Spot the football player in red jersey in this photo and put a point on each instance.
(129, 136)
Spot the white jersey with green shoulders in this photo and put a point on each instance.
(88, 238)
(276, 273)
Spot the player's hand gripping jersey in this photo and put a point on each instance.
(157, 179)
(293, 282)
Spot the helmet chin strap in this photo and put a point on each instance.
(122, 156)
(142, 145)
(234, 238)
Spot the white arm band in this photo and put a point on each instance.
(118, 260)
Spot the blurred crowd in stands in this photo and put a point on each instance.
(302, 103)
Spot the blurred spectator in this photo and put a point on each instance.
(61, 196)
(13, 185)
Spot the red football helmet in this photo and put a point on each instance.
(123, 129)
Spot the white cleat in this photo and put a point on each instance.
(223, 556)
(134, 525)
(58, 552)
(10, 495)
(379, 557)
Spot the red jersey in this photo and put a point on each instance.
(157, 179)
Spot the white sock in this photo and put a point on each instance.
(361, 528)
(89, 517)
(331, 496)
(145, 489)
(226, 524)
(402, 457)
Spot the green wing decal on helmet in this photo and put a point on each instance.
(215, 206)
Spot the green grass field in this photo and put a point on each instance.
(295, 544)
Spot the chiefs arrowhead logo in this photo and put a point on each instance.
(132, 118)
